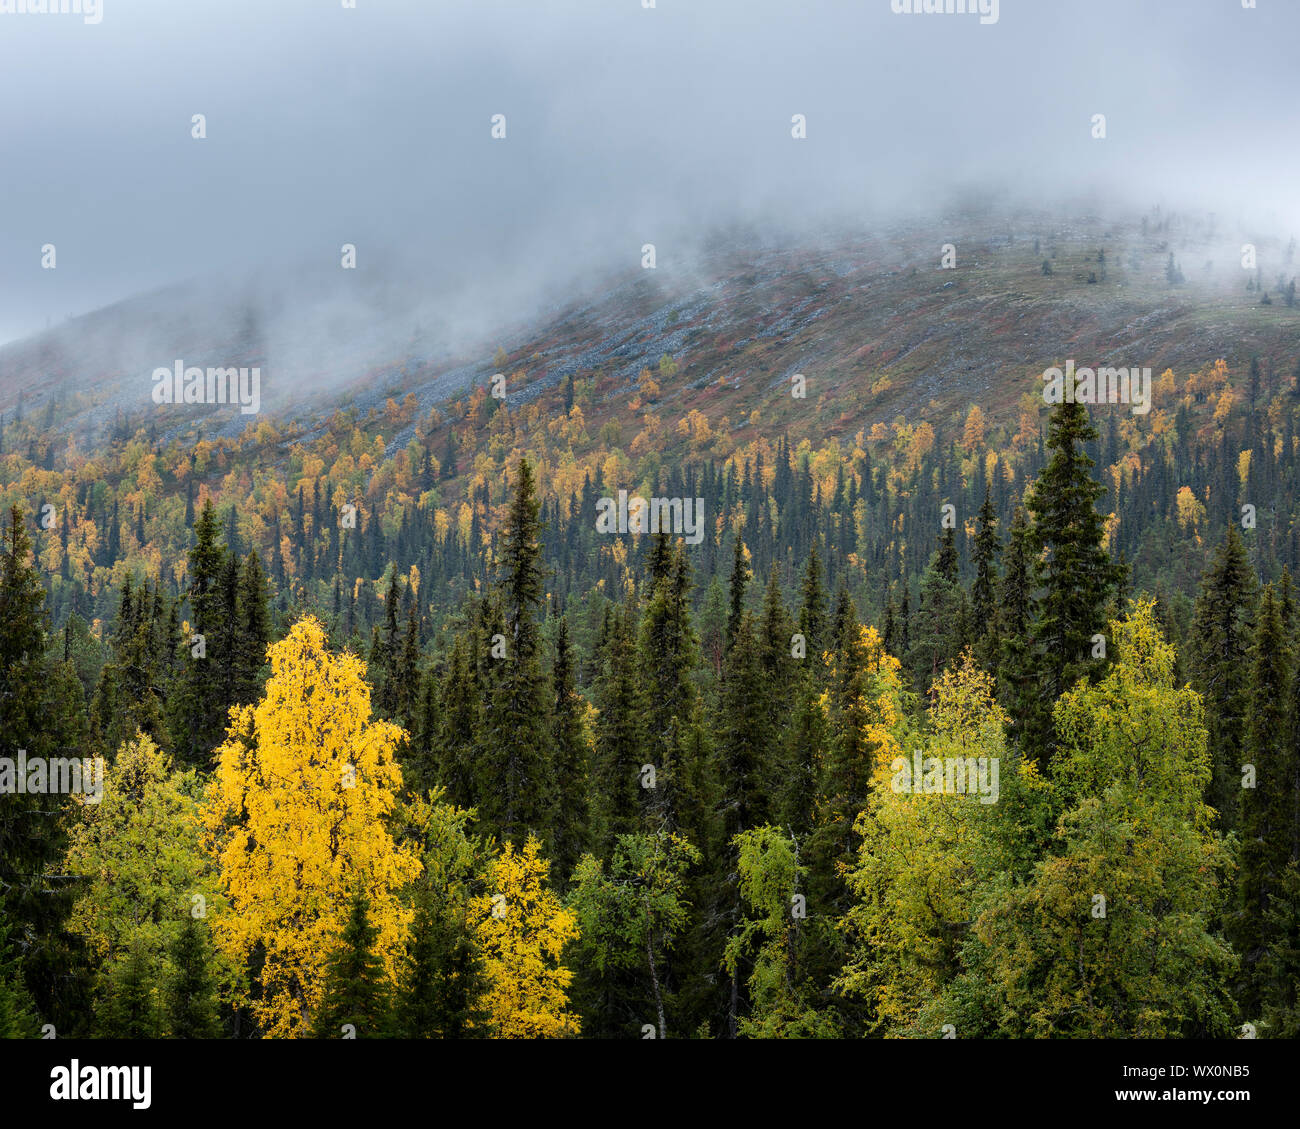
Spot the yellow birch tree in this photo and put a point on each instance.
(523, 930)
(296, 817)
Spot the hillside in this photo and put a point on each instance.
(874, 324)
(922, 385)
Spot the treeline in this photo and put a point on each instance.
(696, 823)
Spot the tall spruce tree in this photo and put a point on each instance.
(130, 1007)
(1071, 565)
(744, 739)
(35, 716)
(937, 628)
(1220, 647)
(620, 738)
(775, 630)
(571, 819)
(255, 630)
(1014, 623)
(812, 607)
(225, 648)
(736, 590)
(516, 758)
(406, 679)
(18, 1018)
(1267, 808)
(983, 595)
(744, 769)
(461, 719)
(385, 651)
(667, 653)
(197, 708)
(23, 670)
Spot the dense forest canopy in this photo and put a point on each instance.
(992, 728)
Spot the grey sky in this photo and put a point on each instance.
(624, 125)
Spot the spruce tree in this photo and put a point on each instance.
(197, 708)
(516, 759)
(356, 989)
(1220, 648)
(667, 651)
(129, 1006)
(620, 739)
(31, 719)
(1071, 565)
(983, 596)
(745, 742)
(406, 680)
(461, 719)
(713, 630)
(385, 651)
(812, 608)
(1278, 971)
(744, 771)
(1014, 622)
(255, 630)
(804, 746)
(444, 976)
(736, 590)
(17, 1012)
(946, 562)
(842, 785)
(191, 996)
(571, 818)
(937, 625)
(905, 621)
(206, 559)
(226, 652)
(1267, 809)
(780, 671)
(23, 626)
(420, 768)
(845, 778)
(659, 557)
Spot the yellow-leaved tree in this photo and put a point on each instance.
(915, 873)
(523, 930)
(296, 817)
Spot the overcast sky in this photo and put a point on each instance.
(625, 125)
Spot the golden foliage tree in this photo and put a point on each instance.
(523, 930)
(972, 437)
(296, 816)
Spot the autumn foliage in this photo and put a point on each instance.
(296, 815)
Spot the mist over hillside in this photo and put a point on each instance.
(880, 320)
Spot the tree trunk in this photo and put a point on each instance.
(654, 975)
